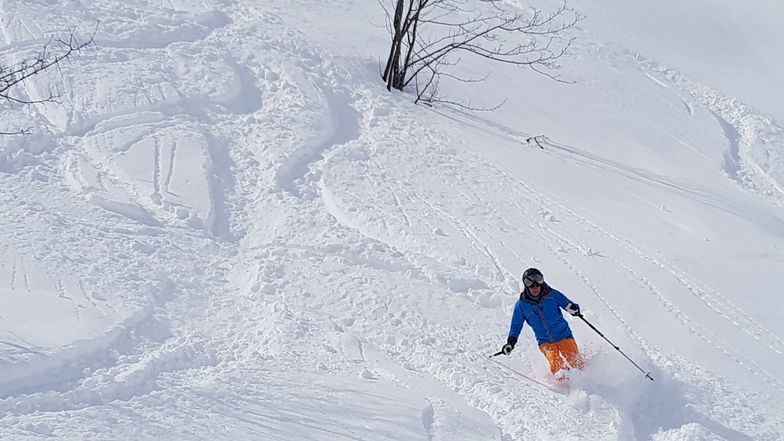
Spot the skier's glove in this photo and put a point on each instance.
(573, 309)
(510, 344)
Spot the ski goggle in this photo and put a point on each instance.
(532, 280)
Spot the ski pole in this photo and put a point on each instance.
(496, 354)
(520, 374)
(647, 374)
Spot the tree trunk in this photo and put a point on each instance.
(393, 61)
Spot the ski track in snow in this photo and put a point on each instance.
(137, 348)
(210, 307)
(753, 138)
(75, 375)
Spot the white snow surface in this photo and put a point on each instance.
(228, 229)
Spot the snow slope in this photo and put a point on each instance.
(229, 230)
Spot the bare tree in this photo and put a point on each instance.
(429, 36)
(54, 51)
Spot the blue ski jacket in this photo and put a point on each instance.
(543, 315)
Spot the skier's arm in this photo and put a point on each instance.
(518, 319)
(568, 305)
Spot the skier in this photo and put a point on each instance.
(539, 305)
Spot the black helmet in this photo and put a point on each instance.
(532, 276)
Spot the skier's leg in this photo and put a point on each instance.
(553, 356)
(568, 347)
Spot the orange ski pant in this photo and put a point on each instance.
(562, 351)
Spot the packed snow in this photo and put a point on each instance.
(228, 229)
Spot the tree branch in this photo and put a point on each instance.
(427, 33)
(11, 76)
